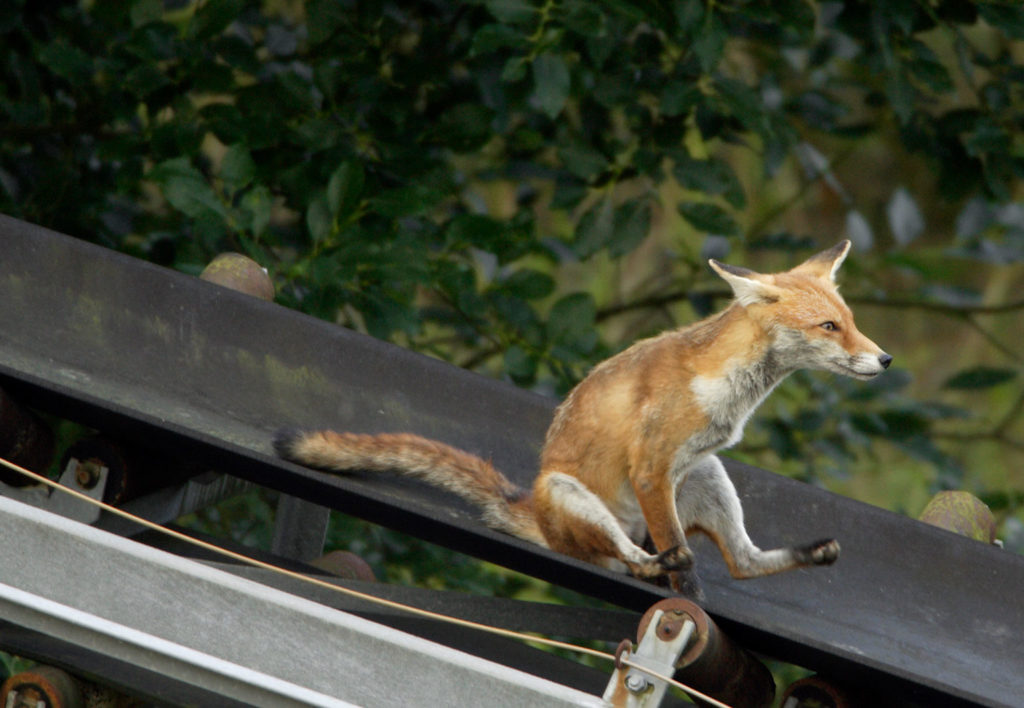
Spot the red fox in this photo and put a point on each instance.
(629, 453)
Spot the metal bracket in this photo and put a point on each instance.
(664, 639)
(85, 476)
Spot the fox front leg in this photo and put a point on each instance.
(708, 501)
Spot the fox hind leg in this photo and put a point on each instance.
(576, 522)
(707, 500)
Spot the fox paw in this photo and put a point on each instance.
(688, 585)
(823, 552)
(675, 558)
(659, 565)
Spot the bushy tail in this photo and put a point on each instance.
(506, 506)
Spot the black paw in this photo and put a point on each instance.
(688, 585)
(824, 552)
(675, 558)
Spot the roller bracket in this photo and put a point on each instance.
(664, 640)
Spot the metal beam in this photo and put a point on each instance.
(193, 368)
(241, 640)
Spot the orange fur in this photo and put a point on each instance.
(630, 450)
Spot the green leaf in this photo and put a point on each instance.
(238, 53)
(1006, 17)
(980, 377)
(237, 168)
(475, 230)
(325, 17)
(491, 38)
(927, 68)
(987, 137)
(585, 18)
(318, 219)
(571, 321)
(679, 97)
(405, 201)
(632, 224)
(511, 11)
(595, 229)
(258, 204)
(551, 83)
(583, 161)
(345, 188)
(709, 217)
(194, 198)
(900, 93)
(145, 79)
(186, 189)
(528, 284)
(66, 60)
(145, 11)
(688, 15)
(711, 177)
(514, 69)
(521, 367)
(464, 128)
(743, 103)
(709, 43)
(178, 167)
(214, 16)
(905, 423)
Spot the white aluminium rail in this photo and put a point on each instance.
(230, 636)
(110, 638)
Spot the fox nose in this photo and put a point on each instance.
(884, 359)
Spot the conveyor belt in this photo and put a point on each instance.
(129, 347)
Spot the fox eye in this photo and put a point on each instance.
(830, 326)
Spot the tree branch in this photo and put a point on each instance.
(941, 308)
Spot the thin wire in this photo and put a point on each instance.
(348, 591)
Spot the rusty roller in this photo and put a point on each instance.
(241, 273)
(345, 564)
(24, 440)
(818, 692)
(42, 687)
(131, 472)
(711, 662)
(962, 513)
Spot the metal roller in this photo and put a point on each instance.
(241, 273)
(711, 662)
(818, 692)
(131, 472)
(963, 513)
(42, 687)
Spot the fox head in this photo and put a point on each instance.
(807, 322)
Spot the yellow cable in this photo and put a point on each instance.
(348, 591)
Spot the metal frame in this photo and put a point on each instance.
(242, 641)
(196, 369)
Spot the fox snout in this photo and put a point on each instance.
(867, 366)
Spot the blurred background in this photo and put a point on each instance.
(524, 188)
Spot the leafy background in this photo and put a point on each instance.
(523, 188)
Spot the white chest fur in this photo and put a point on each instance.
(729, 399)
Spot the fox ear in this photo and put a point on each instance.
(826, 263)
(747, 285)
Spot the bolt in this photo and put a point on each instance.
(87, 473)
(636, 683)
(670, 624)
